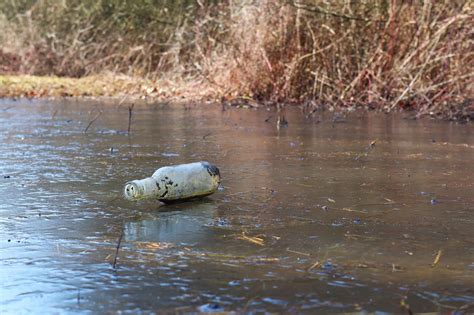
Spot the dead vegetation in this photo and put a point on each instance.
(378, 54)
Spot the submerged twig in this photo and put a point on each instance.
(54, 114)
(130, 110)
(92, 121)
(297, 252)
(352, 210)
(7, 108)
(252, 239)
(367, 150)
(239, 193)
(315, 265)
(405, 306)
(357, 236)
(122, 101)
(437, 258)
(117, 250)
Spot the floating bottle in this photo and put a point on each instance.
(175, 183)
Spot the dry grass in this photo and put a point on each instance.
(105, 84)
(380, 54)
(96, 85)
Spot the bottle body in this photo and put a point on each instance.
(173, 183)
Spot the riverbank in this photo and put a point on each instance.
(28, 86)
(106, 85)
(120, 86)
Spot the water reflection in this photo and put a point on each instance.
(183, 224)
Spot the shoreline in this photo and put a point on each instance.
(135, 89)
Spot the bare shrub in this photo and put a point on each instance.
(381, 54)
(385, 54)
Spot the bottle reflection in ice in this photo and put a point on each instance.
(173, 183)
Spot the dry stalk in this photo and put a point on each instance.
(378, 54)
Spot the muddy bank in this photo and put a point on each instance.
(124, 88)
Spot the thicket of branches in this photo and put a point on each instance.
(378, 53)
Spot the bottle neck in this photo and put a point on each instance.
(141, 188)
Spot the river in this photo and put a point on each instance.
(337, 213)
